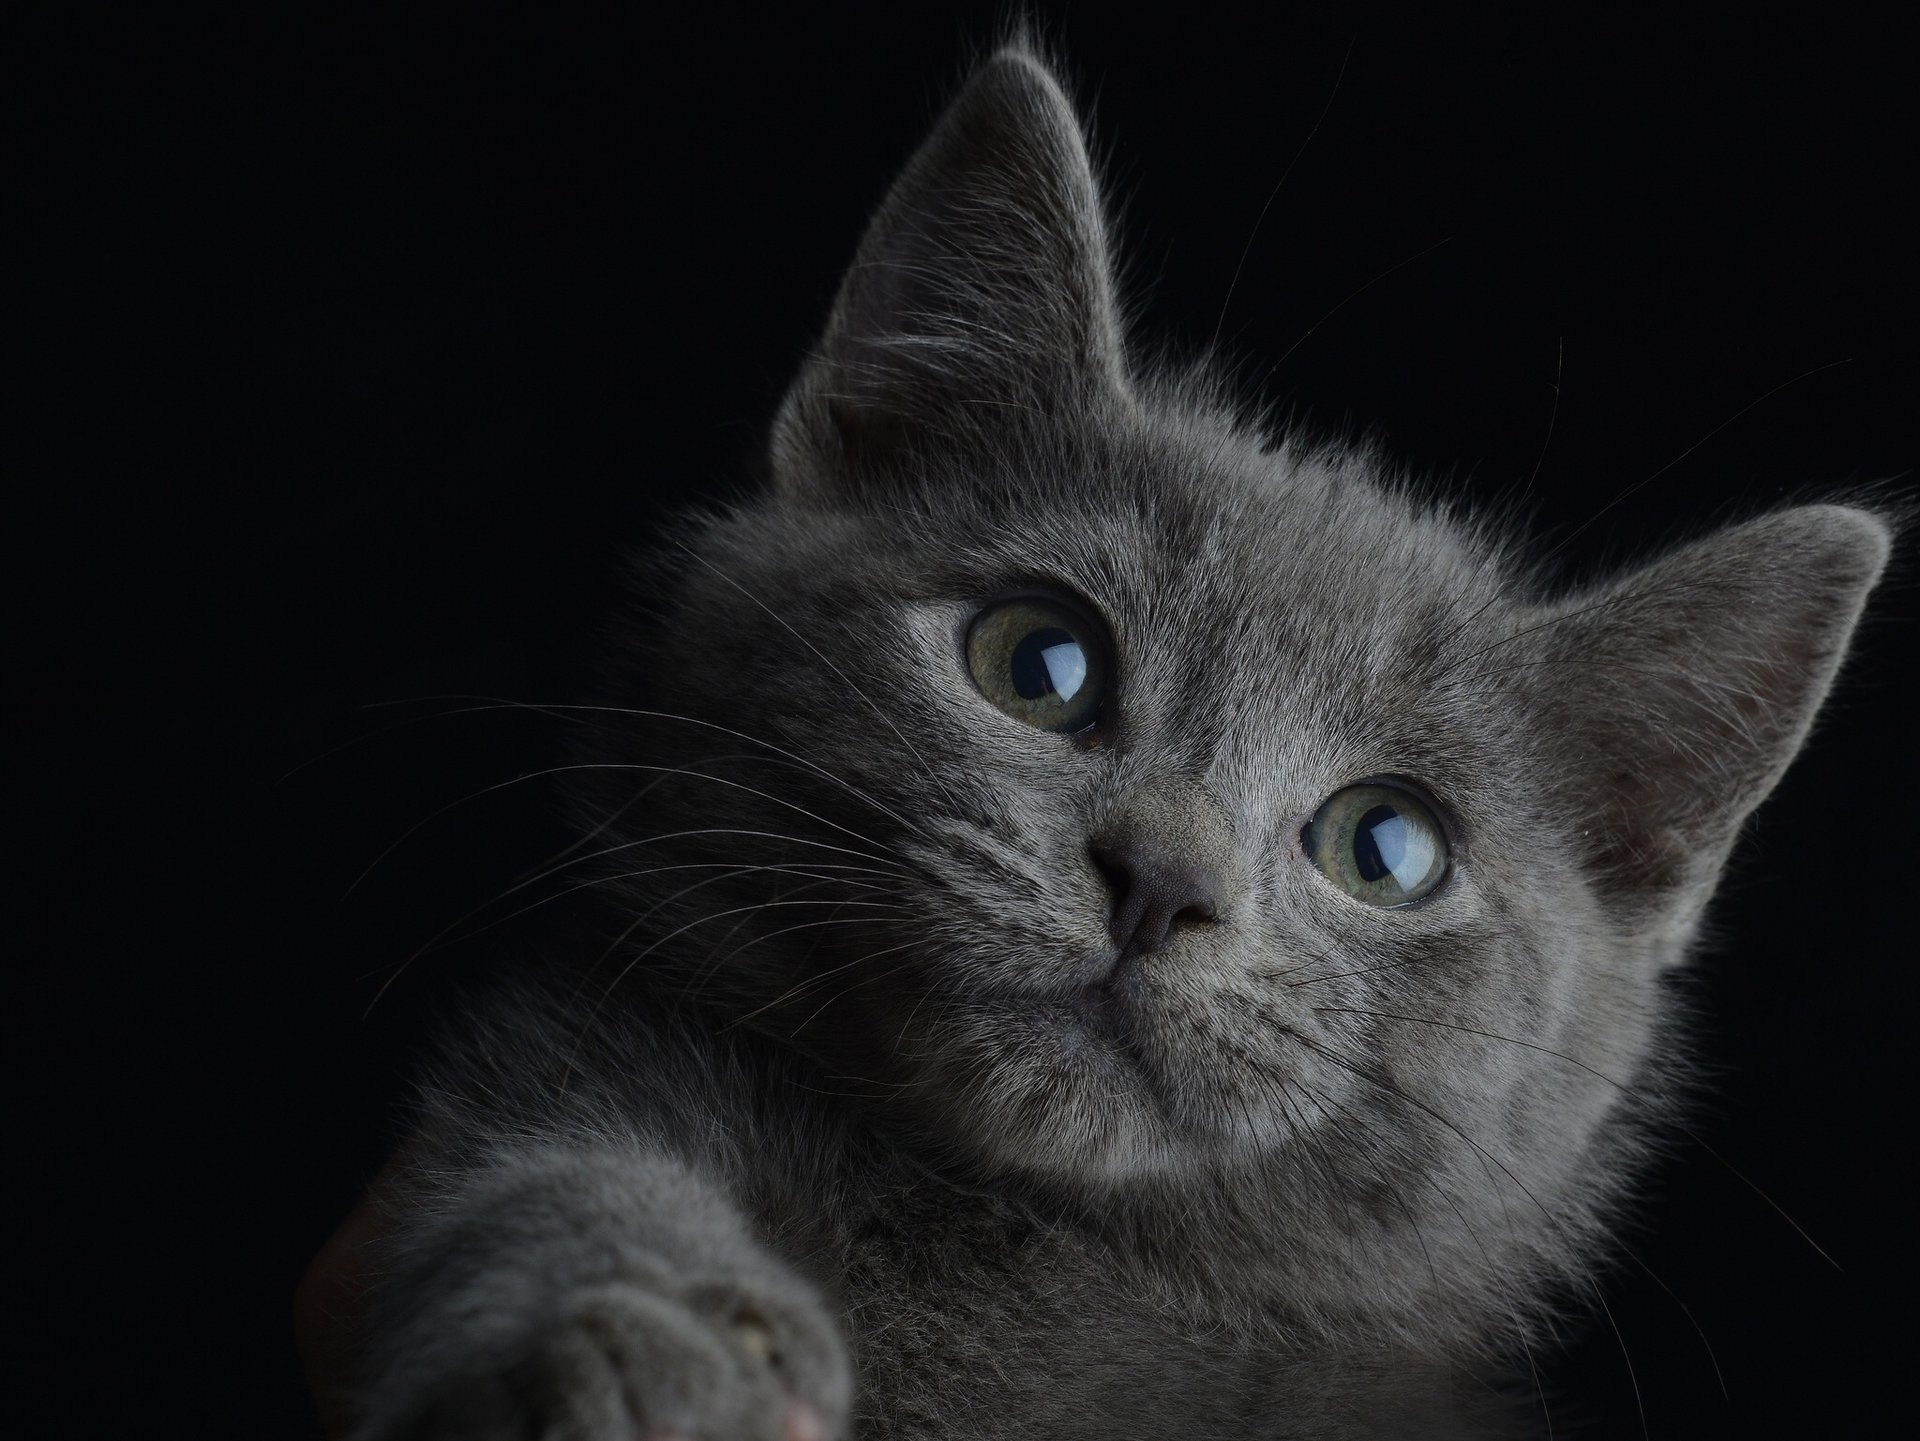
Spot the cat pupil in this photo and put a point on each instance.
(1380, 844)
(1034, 660)
(1387, 843)
(1048, 661)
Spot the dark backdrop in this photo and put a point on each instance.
(357, 355)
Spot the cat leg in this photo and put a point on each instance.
(588, 1291)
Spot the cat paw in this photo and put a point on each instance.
(624, 1363)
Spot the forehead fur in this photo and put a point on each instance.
(1243, 580)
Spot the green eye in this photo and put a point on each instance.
(1040, 662)
(1381, 844)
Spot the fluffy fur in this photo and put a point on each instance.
(861, 1119)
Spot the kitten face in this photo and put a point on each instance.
(869, 844)
(1278, 631)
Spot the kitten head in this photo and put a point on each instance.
(1121, 798)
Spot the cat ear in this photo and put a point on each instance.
(1684, 689)
(980, 296)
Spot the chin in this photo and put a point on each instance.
(1052, 1093)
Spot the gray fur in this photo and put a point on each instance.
(1326, 1171)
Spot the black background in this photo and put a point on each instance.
(355, 355)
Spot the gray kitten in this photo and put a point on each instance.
(1126, 926)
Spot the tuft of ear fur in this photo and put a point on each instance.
(1685, 688)
(981, 292)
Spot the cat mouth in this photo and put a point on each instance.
(1105, 1017)
(1096, 1009)
(1107, 1032)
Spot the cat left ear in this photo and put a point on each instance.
(981, 294)
(1682, 691)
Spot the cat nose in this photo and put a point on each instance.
(1153, 893)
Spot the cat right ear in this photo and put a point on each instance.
(981, 296)
(1683, 690)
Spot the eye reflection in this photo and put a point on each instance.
(1048, 660)
(1038, 661)
(1385, 844)
(1381, 844)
